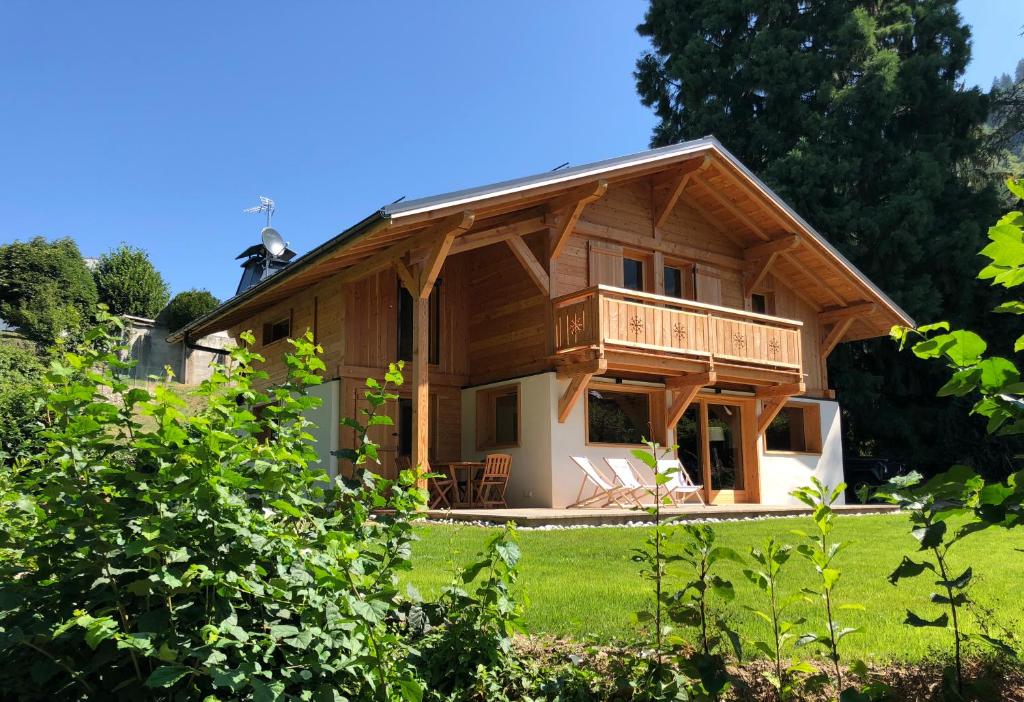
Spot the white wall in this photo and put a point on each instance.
(529, 483)
(782, 472)
(327, 419)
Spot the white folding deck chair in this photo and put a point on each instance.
(603, 490)
(628, 478)
(679, 481)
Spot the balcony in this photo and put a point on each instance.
(655, 331)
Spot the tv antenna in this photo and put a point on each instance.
(266, 205)
(273, 242)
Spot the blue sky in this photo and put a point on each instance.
(156, 124)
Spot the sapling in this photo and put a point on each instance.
(770, 560)
(821, 551)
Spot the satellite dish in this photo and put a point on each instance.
(273, 241)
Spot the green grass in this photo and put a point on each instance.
(582, 584)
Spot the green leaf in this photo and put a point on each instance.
(287, 508)
(166, 676)
(411, 690)
(958, 583)
(930, 536)
(909, 569)
(998, 372)
(1011, 307)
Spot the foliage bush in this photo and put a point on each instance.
(188, 306)
(191, 558)
(46, 290)
(128, 283)
(20, 383)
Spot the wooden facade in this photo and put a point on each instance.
(684, 272)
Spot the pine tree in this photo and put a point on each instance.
(854, 111)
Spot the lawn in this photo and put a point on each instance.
(581, 583)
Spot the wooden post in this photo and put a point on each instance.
(421, 387)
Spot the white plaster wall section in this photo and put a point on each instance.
(529, 482)
(783, 472)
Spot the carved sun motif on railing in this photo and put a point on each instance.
(739, 340)
(679, 330)
(773, 348)
(576, 326)
(636, 325)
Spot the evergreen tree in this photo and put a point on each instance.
(128, 283)
(46, 290)
(854, 111)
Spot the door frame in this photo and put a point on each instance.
(748, 443)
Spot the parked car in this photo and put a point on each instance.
(868, 471)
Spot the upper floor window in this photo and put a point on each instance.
(762, 303)
(633, 274)
(405, 326)
(679, 281)
(276, 330)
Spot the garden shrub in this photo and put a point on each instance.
(20, 412)
(190, 558)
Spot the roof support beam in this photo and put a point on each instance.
(442, 236)
(664, 204)
(496, 235)
(733, 209)
(406, 276)
(834, 336)
(769, 248)
(753, 276)
(773, 399)
(571, 206)
(850, 311)
(530, 263)
(814, 277)
(593, 366)
(577, 386)
(684, 390)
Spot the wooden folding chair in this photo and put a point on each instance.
(490, 488)
(439, 490)
(679, 481)
(626, 476)
(603, 490)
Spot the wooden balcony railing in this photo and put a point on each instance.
(604, 316)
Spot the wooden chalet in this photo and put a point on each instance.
(669, 293)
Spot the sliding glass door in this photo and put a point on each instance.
(716, 447)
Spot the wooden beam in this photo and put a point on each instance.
(496, 235)
(421, 388)
(594, 366)
(406, 276)
(769, 410)
(814, 277)
(680, 179)
(630, 238)
(835, 336)
(770, 248)
(577, 386)
(443, 236)
(848, 312)
(572, 204)
(733, 209)
(782, 390)
(753, 276)
(684, 390)
(530, 263)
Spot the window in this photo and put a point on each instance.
(796, 428)
(762, 303)
(497, 417)
(633, 274)
(679, 282)
(405, 333)
(275, 331)
(617, 417)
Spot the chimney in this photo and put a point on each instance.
(259, 265)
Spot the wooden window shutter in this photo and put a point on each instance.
(709, 285)
(605, 264)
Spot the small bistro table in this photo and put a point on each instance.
(468, 470)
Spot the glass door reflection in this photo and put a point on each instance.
(725, 442)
